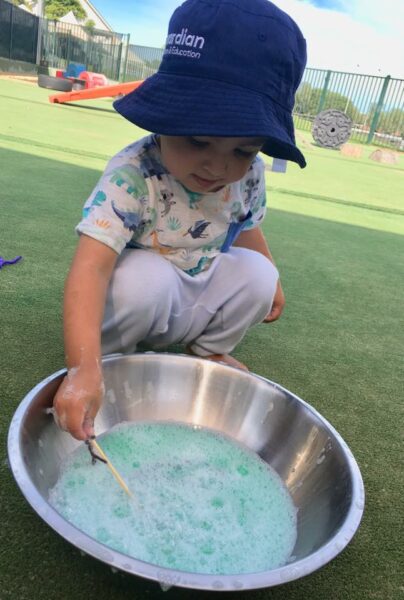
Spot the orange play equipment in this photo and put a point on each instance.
(97, 92)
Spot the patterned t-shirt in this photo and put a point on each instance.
(137, 203)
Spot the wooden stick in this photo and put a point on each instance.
(111, 468)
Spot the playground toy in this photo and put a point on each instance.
(4, 262)
(80, 78)
(96, 92)
(91, 80)
(331, 128)
(74, 70)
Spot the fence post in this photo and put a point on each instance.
(40, 16)
(69, 37)
(378, 110)
(123, 63)
(11, 31)
(39, 42)
(324, 91)
(117, 73)
(89, 49)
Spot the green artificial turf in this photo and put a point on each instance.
(336, 231)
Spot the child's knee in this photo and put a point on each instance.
(142, 285)
(139, 302)
(259, 274)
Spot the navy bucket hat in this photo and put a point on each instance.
(230, 68)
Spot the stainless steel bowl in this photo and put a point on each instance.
(311, 457)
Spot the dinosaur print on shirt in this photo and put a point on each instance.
(137, 203)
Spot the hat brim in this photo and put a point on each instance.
(183, 105)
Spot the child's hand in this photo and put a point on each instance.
(78, 400)
(277, 305)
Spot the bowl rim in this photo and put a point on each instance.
(173, 577)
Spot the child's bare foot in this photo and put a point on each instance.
(228, 360)
(222, 358)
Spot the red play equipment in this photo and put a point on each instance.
(92, 80)
(96, 92)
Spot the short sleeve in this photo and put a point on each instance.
(114, 211)
(254, 193)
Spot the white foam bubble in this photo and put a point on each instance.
(210, 504)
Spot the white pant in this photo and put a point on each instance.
(151, 300)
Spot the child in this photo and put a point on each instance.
(170, 247)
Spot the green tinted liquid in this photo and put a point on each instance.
(203, 503)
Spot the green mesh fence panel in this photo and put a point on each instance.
(101, 51)
(375, 104)
(18, 33)
(142, 61)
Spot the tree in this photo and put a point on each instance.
(153, 64)
(89, 26)
(308, 102)
(304, 101)
(392, 122)
(27, 5)
(55, 9)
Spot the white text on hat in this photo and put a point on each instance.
(185, 39)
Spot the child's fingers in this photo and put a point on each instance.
(76, 404)
(88, 423)
(273, 315)
(73, 423)
(67, 415)
(88, 427)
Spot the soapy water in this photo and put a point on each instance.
(203, 502)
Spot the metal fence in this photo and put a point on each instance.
(375, 104)
(26, 37)
(142, 62)
(100, 51)
(18, 33)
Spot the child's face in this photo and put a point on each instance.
(206, 164)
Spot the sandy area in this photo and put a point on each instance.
(24, 77)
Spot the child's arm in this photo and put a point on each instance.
(254, 239)
(79, 397)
